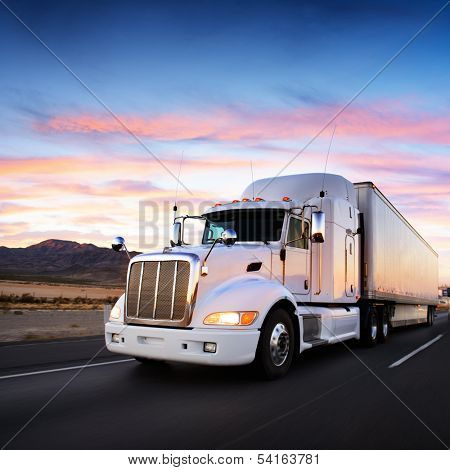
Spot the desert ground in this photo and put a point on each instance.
(31, 325)
(51, 291)
(37, 311)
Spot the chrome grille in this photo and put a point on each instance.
(158, 290)
(133, 286)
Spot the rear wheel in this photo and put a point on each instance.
(276, 345)
(369, 330)
(383, 325)
(430, 316)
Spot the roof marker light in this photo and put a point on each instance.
(286, 199)
(236, 200)
(258, 199)
(245, 199)
(217, 204)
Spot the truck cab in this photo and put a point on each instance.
(276, 273)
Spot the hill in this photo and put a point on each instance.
(64, 261)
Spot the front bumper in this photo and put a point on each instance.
(234, 347)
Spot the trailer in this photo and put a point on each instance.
(296, 262)
(399, 268)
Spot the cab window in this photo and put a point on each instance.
(251, 225)
(294, 234)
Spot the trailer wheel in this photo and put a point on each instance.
(276, 345)
(383, 325)
(430, 316)
(369, 331)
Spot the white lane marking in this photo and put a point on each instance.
(49, 371)
(411, 354)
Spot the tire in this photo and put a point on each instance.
(369, 331)
(430, 316)
(383, 325)
(276, 345)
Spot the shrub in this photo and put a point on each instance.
(27, 298)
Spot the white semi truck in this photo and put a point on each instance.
(312, 260)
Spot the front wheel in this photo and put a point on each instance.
(276, 345)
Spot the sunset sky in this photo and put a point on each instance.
(226, 83)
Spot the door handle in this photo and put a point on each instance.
(306, 284)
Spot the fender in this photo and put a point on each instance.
(243, 293)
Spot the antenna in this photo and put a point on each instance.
(253, 181)
(322, 193)
(175, 208)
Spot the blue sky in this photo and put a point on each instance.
(171, 54)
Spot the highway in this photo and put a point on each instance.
(329, 400)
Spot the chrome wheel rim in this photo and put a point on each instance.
(385, 327)
(374, 328)
(279, 344)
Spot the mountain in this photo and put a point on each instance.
(64, 261)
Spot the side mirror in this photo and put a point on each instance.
(118, 244)
(229, 237)
(176, 234)
(318, 227)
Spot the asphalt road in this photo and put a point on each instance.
(330, 400)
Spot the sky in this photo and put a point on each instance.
(222, 83)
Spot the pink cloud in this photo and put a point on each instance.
(395, 162)
(84, 192)
(382, 122)
(8, 208)
(95, 165)
(11, 229)
(58, 197)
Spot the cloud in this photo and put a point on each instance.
(62, 191)
(91, 165)
(95, 220)
(74, 196)
(380, 120)
(12, 229)
(8, 208)
(402, 174)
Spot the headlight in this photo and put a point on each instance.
(231, 318)
(115, 313)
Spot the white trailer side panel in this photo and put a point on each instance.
(399, 264)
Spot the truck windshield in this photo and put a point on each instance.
(251, 225)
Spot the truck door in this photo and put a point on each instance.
(350, 287)
(297, 257)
